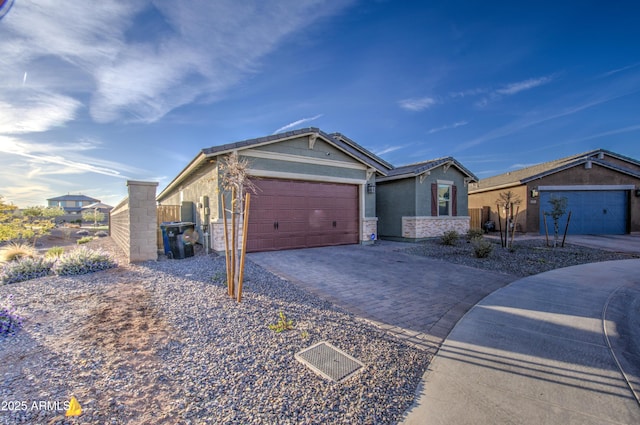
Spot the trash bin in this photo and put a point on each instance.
(174, 245)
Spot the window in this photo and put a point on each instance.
(444, 199)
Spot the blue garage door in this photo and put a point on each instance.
(592, 212)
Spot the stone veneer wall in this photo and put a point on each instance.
(369, 227)
(217, 234)
(133, 222)
(429, 227)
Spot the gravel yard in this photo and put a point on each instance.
(162, 343)
(527, 257)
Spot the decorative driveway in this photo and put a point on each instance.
(418, 299)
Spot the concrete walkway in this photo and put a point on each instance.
(561, 347)
(415, 298)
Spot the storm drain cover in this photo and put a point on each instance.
(329, 361)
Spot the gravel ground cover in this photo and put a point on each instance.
(162, 343)
(527, 257)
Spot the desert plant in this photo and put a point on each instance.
(474, 233)
(450, 237)
(10, 321)
(84, 240)
(558, 209)
(54, 252)
(25, 269)
(83, 260)
(16, 251)
(283, 324)
(482, 248)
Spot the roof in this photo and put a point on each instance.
(413, 170)
(527, 174)
(70, 197)
(347, 145)
(341, 142)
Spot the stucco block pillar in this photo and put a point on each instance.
(143, 221)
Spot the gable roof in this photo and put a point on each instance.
(413, 170)
(348, 146)
(527, 174)
(70, 197)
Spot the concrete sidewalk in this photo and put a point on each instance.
(562, 347)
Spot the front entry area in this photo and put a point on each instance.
(287, 214)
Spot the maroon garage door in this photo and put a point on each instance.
(289, 214)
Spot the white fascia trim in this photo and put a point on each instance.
(254, 153)
(588, 187)
(308, 177)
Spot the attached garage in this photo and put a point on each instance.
(288, 214)
(312, 189)
(593, 212)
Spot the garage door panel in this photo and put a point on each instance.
(592, 212)
(305, 213)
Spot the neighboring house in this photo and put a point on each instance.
(313, 189)
(72, 204)
(602, 189)
(423, 200)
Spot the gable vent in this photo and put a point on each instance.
(587, 165)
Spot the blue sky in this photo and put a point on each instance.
(95, 93)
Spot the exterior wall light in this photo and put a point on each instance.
(534, 193)
(371, 188)
(638, 192)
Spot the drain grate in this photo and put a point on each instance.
(329, 361)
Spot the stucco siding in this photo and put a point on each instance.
(300, 147)
(423, 190)
(394, 199)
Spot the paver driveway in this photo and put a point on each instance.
(416, 298)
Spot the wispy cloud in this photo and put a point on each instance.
(297, 123)
(388, 150)
(65, 157)
(417, 104)
(32, 111)
(617, 70)
(448, 127)
(129, 76)
(537, 117)
(519, 86)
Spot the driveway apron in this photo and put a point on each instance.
(415, 298)
(561, 347)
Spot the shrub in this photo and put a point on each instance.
(283, 324)
(82, 261)
(54, 252)
(481, 247)
(10, 322)
(450, 237)
(25, 269)
(84, 240)
(102, 234)
(474, 233)
(16, 251)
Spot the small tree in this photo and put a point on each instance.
(93, 215)
(235, 179)
(558, 209)
(507, 201)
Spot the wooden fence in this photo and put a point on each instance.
(476, 218)
(166, 213)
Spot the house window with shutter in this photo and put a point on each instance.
(444, 199)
